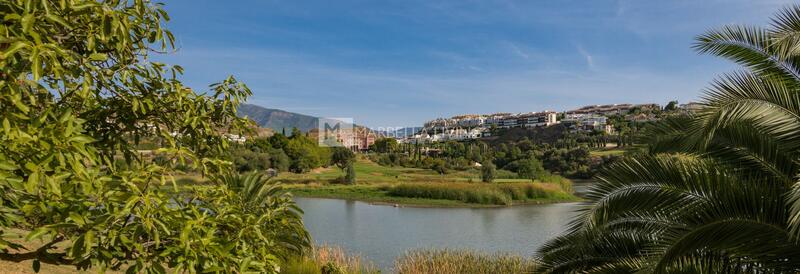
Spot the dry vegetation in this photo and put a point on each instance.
(460, 261)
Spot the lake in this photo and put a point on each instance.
(382, 233)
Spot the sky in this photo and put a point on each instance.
(401, 63)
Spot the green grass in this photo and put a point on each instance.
(483, 193)
(375, 184)
(368, 193)
(372, 173)
(600, 152)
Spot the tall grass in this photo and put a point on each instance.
(461, 261)
(480, 193)
(329, 260)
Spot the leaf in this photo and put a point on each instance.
(36, 234)
(16, 46)
(98, 56)
(36, 65)
(27, 22)
(6, 126)
(36, 265)
(57, 19)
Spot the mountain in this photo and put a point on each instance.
(277, 119)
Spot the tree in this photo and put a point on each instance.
(77, 94)
(488, 172)
(672, 105)
(530, 168)
(384, 145)
(439, 166)
(342, 157)
(717, 192)
(350, 174)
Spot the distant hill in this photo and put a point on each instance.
(277, 119)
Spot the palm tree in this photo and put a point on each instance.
(273, 219)
(717, 192)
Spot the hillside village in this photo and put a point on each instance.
(585, 119)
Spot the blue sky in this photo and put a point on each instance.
(400, 63)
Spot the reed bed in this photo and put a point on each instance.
(461, 261)
(329, 260)
(480, 193)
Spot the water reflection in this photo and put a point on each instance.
(382, 233)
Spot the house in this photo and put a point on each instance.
(236, 138)
(691, 107)
(587, 122)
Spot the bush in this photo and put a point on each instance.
(327, 259)
(350, 176)
(527, 168)
(487, 172)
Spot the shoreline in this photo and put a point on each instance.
(433, 203)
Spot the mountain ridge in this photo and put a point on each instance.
(278, 119)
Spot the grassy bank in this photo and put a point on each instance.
(481, 193)
(417, 187)
(423, 187)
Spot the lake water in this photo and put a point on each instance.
(382, 233)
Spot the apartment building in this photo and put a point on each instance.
(587, 122)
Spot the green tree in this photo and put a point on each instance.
(717, 192)
(384, 145)
(350, 173)
(342, 157)
(530, 168)
(77, 94)
(488, 172)
(279, 160)
(672, 105)
(439, 166)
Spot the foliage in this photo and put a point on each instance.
(350, 176)
(327, 259)
(254, 215)
(461, 261)
(717, 192)
(672, 105)
(529, 168)
(480, 193)
(384, 145)
(342, 157)
(248, 160)
(305, 154)
(488, 171)
(439, 166)
(78, 94)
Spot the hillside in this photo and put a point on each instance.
(277, 119)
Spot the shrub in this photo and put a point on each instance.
(350, 176)
(326, 259)
(487, 172)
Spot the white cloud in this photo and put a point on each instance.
(587, 56)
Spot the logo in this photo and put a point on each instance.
(336, 132)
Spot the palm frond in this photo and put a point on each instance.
(750, 47)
